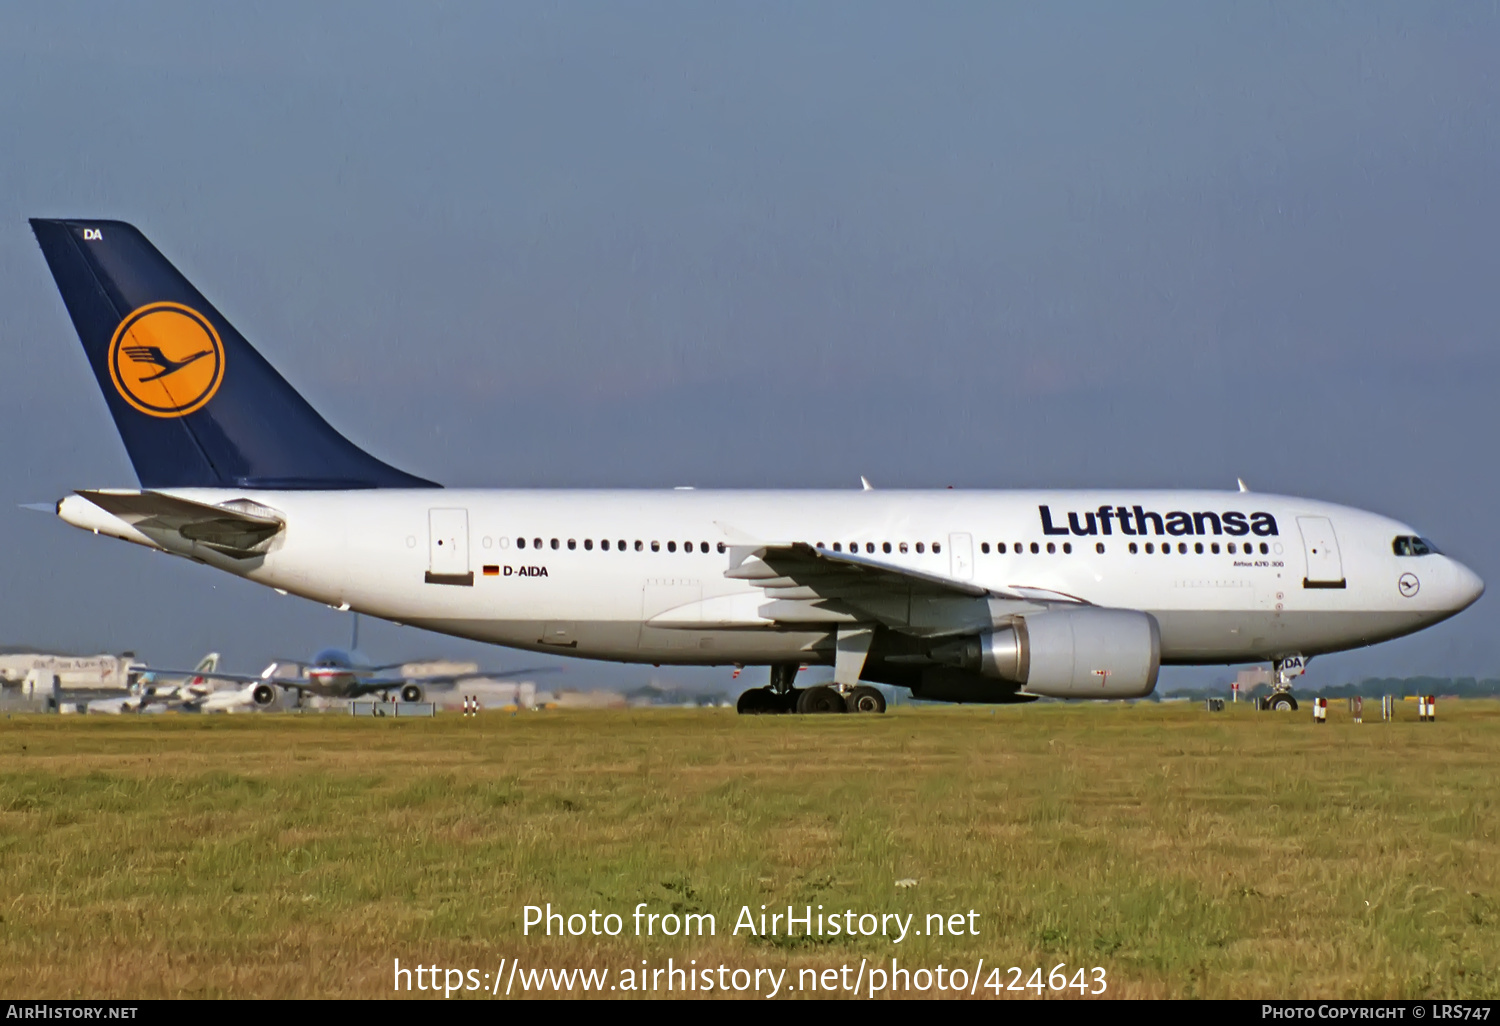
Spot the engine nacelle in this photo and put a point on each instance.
(264, 695)
(947, 684)
(1067, 653)
(411, 693)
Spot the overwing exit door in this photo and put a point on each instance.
(1325, 567)
(961, 556)
(448, 547)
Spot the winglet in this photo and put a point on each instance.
(1243, 486)
(865, 483)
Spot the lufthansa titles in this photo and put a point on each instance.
(1134, 520)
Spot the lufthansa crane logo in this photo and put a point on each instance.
(166, 360)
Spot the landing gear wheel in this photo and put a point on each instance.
(786, 702)
(757, 701)
(865, 699)
(821, 699)
(1282, 703)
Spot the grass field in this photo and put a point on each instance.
(1233, 855)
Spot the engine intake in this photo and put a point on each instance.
(1067, 653)
(263, 695)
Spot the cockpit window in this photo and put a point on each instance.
(1411, 545)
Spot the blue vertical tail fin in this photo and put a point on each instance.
(196, 405)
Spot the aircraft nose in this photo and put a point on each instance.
(1467, 587)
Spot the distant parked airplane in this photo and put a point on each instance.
(335, 673)
(163, 688)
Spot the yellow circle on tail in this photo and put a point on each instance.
(166, 360)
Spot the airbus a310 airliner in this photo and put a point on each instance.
(965, 596)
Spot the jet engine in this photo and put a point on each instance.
(411, 693)
(263, 695)
(1067, 653)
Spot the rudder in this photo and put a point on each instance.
(195, 404)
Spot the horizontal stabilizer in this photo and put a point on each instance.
(241, 528)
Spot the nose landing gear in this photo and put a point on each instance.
(1284, 669)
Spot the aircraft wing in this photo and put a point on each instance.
(806, 584)
(241, 530)
(369, 684)
(295, 683)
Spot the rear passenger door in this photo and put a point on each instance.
(448, 547)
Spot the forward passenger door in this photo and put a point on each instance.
(1325, 567)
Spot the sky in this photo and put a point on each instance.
(984, 245)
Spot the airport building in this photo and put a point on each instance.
(30, 674)
(1253, 677)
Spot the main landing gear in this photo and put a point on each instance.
(780, 697)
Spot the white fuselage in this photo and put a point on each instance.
(639, 576)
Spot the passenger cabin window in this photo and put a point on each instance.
(1099, 548)
(656, 546)
(1035, 548)
(1411, 545)
(936, 547)
(572, 543)
(984, 547)
(903, 548)
(554, 543)
(1000, 548)
(520, 543)
(671, 546)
